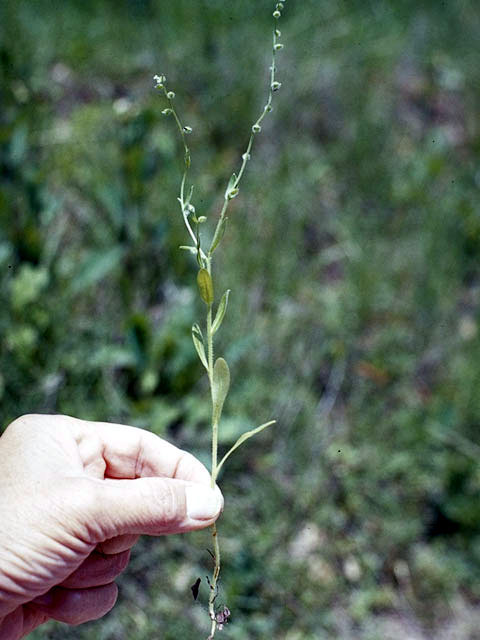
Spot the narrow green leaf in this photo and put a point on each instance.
(222, 307)
(241, 440)
(220, 232)
(197, 338)
(97, 265)
(220, 386)
(187, 248)
(189, 197)
(229, 188)
(205, 286)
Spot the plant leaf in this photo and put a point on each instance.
(205, 286)
(218, 236)
(220, 386)
(197, 338)
(222, 307)
(97, 265)
(189, 197)
(241, 440)
(193, 250)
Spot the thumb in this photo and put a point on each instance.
(153, 506)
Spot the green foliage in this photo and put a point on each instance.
(355, 312)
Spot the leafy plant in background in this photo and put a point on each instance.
(217, 370)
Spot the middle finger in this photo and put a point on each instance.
(96, 570)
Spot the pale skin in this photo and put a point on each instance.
(74, 497)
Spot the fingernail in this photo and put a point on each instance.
(203, 503)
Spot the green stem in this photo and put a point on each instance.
(216, 545)
(245, 157)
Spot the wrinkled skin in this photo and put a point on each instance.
(74, 497)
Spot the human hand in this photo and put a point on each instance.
(74, 497)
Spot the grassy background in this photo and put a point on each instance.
(353, 255)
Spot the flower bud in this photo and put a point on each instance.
(278, 33)
(160, 81)
(202, 219)
(278, 46)
(187, 129)
(276, 14)
(246, 156)
(190, 209)
(256, 128)
(170, 95)
(268, 108)
(276, 85)
(166, 112)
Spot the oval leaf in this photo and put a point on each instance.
(205, 286)
(222, 307)
(197, 338)
(220, 386)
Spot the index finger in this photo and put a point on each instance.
(130, 452)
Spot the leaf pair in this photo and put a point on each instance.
(197, 335)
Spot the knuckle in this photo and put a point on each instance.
(21, 423)
(170, 503)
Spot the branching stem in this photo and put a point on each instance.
(218, 384)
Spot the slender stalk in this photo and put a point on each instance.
(218, 373)
(256, 128)
(216, 545)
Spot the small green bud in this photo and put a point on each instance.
(279, 5)
(276, 14)
(202, 219)
(278, 46)
(189, 209)
(246, 156)
(170, 95)
(278, 33)
(256, 128)
(167, 112)
(276, 85)
(187, 129)
(268, 108)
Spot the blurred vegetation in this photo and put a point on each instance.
(353, 255)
